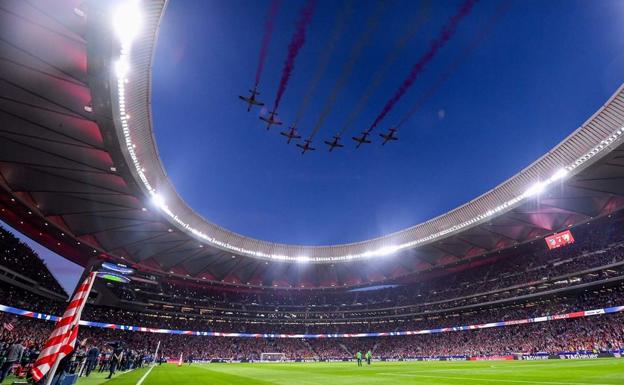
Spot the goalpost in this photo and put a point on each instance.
(272, 357)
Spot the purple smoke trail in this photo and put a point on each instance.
(297, 41)
(458, 61)
(446, 33)
(266, 39)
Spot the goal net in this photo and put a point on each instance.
(272, 357)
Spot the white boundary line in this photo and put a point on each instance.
(145, 375)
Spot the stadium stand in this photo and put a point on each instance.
(19, 262)
(527, 283)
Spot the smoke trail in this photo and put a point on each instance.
(347, 69)
(414, 26)
(446, 33)
(297, 41)
(458, 61)
(336, 34)
(266, 38)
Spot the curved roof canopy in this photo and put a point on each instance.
(79, 158)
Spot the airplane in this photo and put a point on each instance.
(271, 120)
(334, 143)
(389, 136)
(362, 139)
(290, 134)
(306, 147)
(251, 99)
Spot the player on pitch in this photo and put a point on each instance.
(358, 356)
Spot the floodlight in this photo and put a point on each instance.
(560, 174)
(158, 200)
(534, 190)
(121, 68)
(127, 21)
(387, 250)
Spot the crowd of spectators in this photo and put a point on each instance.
(464, 297)
(604, 264)
(565, 302)
(604, 332)
(582, 334)
(597, 254)
(19, 258)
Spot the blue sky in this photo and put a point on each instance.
(544, 69)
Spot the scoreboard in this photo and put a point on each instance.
(560, 239)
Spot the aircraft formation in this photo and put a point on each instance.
(292, 134)
(305, 143)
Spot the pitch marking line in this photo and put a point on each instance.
(488, 380)
(145, 375)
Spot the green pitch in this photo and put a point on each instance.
(555, 372)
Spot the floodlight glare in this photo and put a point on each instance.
(158, 200)
(387, 250)
(121, 68)
(127, 21)
(534, 190)
(560, 174)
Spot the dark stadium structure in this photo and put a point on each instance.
(80, 174)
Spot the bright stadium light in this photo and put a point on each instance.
(121, 68)
(536, 189)
(388, 250)
(158, 201)
(127, 21)
(560, 174)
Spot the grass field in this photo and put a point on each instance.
(564, 372)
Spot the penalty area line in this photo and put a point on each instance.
(488, 379)
(145, 375)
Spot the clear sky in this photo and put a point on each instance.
(542, 71)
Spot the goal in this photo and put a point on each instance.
(272, 357)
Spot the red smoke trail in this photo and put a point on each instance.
(297, 41)
(436, 45)
(458, 61)
(266, 39)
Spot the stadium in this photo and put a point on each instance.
(156, 227)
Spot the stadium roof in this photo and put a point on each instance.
(79, 165)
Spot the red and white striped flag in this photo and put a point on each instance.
(63, 337)
(8, 326)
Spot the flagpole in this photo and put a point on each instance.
(156, 353)
(57, 361)
(52, 371)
